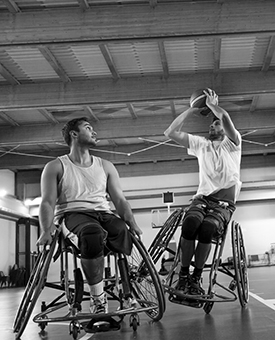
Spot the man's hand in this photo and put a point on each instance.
(211, 97)
(136, 230)
(45, 238)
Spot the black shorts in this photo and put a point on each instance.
(118, 235)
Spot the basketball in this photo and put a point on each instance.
(197, 99)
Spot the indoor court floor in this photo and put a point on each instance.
(226, 321)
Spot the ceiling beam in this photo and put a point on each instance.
(47, 54)
(12, 6)
(83, 4)
(133, 128)
(109, 61)
(217, 54)
(132, 110)
(5, 117)
(163, 58)
(111, 23)
(8, 76)
(269, 54)
(48, 116)
(136, 166)
(90, 114)
(88, 92)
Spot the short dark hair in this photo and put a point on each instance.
(72, 125)
(215, 118)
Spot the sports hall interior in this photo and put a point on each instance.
(130, 66)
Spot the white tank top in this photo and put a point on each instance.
(82, 189)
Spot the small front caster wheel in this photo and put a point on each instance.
(134, 321)
(208, 307)
(232, 285)
(74, 329)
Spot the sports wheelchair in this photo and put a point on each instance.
(236, 268)
(126, 277)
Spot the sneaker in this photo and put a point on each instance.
(99, 304)
(195, 286)
(131, 303)
(183, 284)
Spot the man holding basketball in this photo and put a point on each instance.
(219, 158)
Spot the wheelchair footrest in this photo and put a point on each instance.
(101, 324)
(186, 302)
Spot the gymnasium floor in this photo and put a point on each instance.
(227, 321)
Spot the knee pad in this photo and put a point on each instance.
(191, 223)
(212, 226)
(92, 241)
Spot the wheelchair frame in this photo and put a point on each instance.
(138, 279)
(236, 269)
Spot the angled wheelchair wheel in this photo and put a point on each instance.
(240, 263)
(145, 282)
(165, 234)
(33, 288)
(208, 307)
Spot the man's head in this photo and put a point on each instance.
(72, 128)
(216, 131)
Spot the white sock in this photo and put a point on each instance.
(96, 289)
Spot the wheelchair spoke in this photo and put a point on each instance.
(145, 282)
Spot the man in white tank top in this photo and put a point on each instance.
(76, 187)
(219, 158)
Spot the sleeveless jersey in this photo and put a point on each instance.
(82, 189)
(219, 164)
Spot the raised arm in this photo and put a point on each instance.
(219, 112)
(49, 180)
(117, 196)
(174, 131)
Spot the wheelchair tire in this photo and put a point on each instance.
(165, 234)
(208, 307)
(145, 282)
(33, 288)
(240, 263)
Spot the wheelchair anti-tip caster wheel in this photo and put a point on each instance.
(134, 321)
(208, 307)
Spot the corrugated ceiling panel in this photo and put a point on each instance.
(26, 4)
(31, 63)
(111, 111)
(273, 60)
(27, 117)
(2, 79)
(138, 58)
(180, 55)
(237, 52)
(51, 3)
(124, 58)
(260, 49)
(40, 4)
(81, 60)
(204, 54)
(189, 55)
(99, 2)
(12, 67)
(266, 101)
(65, 56)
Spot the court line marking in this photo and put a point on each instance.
(269, 303)
(87, 336)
